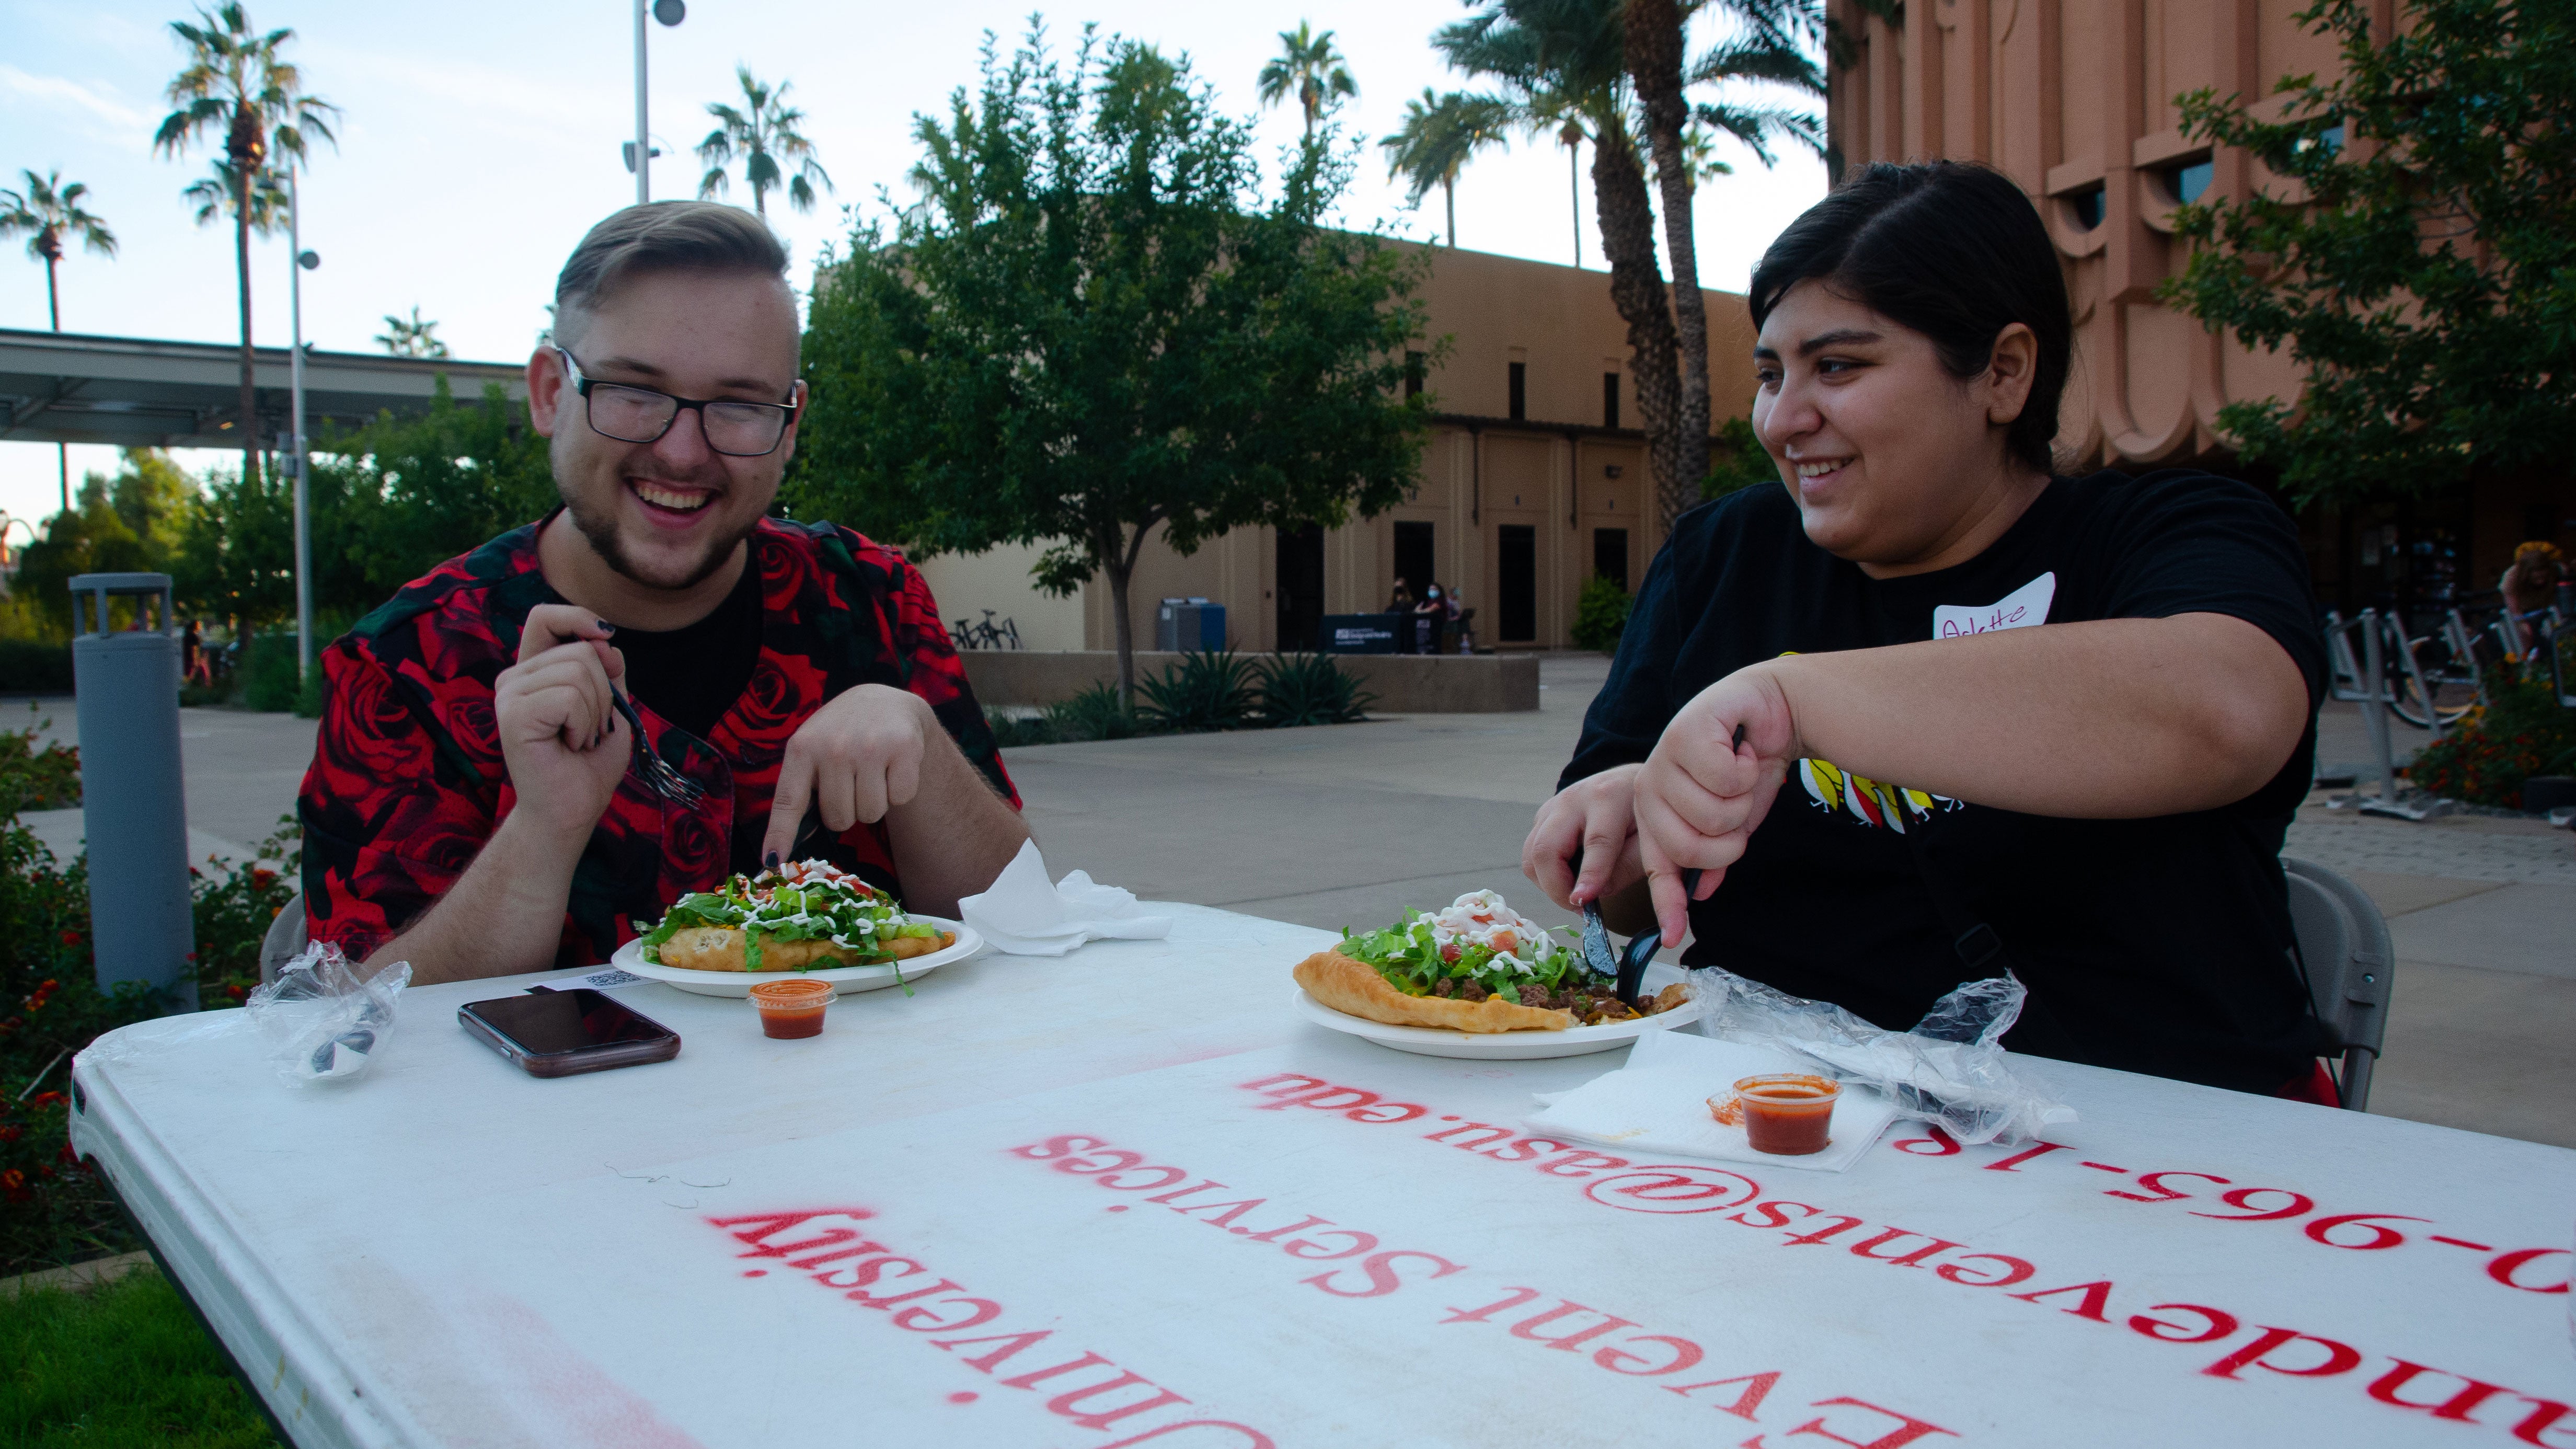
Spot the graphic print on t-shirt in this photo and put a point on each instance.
(1871, 802)
(1837, 791)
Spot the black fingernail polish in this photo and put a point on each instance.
(604, 624)
(770, 860)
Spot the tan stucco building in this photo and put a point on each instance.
(2075, 99)
(1534, 478)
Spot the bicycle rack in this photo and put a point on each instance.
(2368, 687)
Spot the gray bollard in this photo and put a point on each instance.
(133, 801)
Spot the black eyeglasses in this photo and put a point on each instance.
(632, 414)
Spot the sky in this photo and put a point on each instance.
(479, 140)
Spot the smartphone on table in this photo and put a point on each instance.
(560, 1033)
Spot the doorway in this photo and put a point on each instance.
(1413, 555)
(1610, 556)
(1516, 584)
(1301, 587)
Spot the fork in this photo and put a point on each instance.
(664, 781)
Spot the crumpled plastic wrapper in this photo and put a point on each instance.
(1948, 1070)
(322, 1020)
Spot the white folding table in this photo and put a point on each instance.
(1130, 1197)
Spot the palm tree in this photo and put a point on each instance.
(236, 85)
(1560, 69)
(1439, 136)
(1771, 45)
(46, 210)
(216, 193)
(763, 133)
(1308, 65)
(411, 338)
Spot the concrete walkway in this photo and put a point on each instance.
(1350, 825)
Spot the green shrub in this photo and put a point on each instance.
(1737, 462)
(1600, 615)
(2521, 731)
(1095, 714)
(1206, 690)
(1309, 689)
(268, 676)
(34, 777)
(1012, 731)
(53, 1210)
(32, 666)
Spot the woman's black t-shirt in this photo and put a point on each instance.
(2158, 945)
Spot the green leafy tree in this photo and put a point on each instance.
(410, 337)
(1093, 327)
(45, 211)
(764, 134)
(1309, 68)
(238, 85)
(2417, 254)
(132, 523)
(387, 502)
(1440, 135)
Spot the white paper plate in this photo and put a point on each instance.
(1496, 1045)
(844, 979)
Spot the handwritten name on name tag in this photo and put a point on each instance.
(2019, 609)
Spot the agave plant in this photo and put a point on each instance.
(1309, 689)
(1094, 714)
(1206, 690)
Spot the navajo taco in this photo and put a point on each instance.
(799, 917)
(1477, 966)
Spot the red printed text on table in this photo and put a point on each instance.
(834, 1247)
(2241, 1348)
(1522, 1313)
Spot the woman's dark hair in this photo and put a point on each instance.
(1953, 251)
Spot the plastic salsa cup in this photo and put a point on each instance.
(1788, 1114)
(792, 1008)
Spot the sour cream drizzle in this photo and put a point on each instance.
(1479, 918)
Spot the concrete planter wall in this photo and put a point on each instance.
(1403, 683)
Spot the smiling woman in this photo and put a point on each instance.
(1928, 711)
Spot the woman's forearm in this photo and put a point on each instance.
(2113, 718)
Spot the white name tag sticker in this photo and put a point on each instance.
(2019, 609)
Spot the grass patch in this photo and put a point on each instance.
(123, 1363)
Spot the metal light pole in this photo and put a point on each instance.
(302, 261)
(639, 158)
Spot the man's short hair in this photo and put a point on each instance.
(664, 236)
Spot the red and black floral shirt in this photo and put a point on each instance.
(407, 781)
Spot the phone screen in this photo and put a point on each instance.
(566, 1021)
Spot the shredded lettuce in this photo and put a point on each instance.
(839, 908)
(1414, 963)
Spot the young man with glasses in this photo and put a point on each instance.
(479, 802)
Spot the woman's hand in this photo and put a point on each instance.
(1590, 824)
(1708, 784)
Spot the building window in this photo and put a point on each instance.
(2189, 180)
(1413, 369)
(2086, 206)
(1520, 391)
(1609, 399)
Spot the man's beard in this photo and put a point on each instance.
(600, 530)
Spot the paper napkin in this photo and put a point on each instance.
(1022, 915)
(1658, 1103)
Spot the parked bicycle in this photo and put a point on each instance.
(986, 635)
